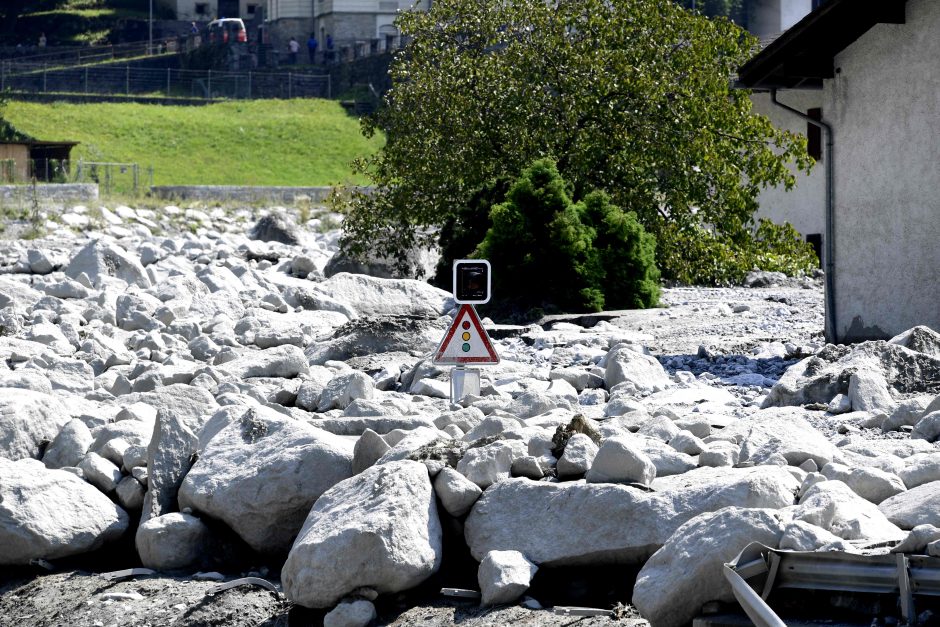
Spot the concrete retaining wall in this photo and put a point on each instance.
(49, 193)
(240, 193)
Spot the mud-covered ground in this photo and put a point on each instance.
(697, 329)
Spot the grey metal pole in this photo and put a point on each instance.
(127, 80)
(86, 80)
(168, 82)
(150, 32)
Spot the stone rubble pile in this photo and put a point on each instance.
(212, 388)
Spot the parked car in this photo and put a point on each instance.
(227, 30)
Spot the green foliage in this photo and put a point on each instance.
(262, 142)
(583, 256)
(632, 97)
(732, 9)
(703, 257)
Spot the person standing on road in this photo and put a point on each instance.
(312, 48)
(293, 48)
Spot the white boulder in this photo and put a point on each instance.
(260, 474)
(619, 460)
(51, 514)
(378, 529)
(172, 541)
(687, 571)
(504, 576)
(596, 523)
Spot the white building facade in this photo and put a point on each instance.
(346, 22)
(207, 10)
(876, 63)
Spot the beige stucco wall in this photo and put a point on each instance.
(804, 206)
(885, 105)
(20, 155)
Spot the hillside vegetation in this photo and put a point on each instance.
(69, 22)
(262, 142)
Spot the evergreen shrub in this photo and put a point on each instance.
(578, 256)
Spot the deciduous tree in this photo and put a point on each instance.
(632, 97)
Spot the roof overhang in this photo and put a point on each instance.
(36, 143)
(803, 56)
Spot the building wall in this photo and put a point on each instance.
(805, 205)
(771, 17)
(885, 107)
(280, 31)
(20, 155)
(186, 9)
(360, 19)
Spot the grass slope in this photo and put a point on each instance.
(260, 142)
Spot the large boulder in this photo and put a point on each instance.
(286, 361)
(779, 431)
(818, 379)
(619, 460)
(261, 472)
(379, 529)
(596, 523)
(687, 571)
(27, 419)
(919, 506)
(627, 364)
(872, 484)
(371, 296)
(100, 259)
(172, 542)
(833, 506)
(69, 446)
(170, 455)
(275, 227)
(504, 576)
(50, 514)
(192, 404)
(369, 335)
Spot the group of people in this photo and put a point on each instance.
(293, 49)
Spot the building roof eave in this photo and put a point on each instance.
(803, 56)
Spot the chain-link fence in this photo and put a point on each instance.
(111, 177)
(170, 83)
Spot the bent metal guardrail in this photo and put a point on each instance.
(758, 570)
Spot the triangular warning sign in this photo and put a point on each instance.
(466, 342)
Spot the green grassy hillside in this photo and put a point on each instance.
(260, 142)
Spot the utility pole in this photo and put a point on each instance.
(150, 31)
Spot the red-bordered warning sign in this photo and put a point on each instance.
(466, 342)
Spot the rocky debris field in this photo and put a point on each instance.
(204, 394)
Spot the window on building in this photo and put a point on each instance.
(202, 8)
(815, 240)
(251, 10)
(814, 135)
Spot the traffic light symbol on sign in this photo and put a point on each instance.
(465, 336)
(466, 342)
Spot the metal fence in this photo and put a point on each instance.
(69, 56)
(169, 83)
(111, 177)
